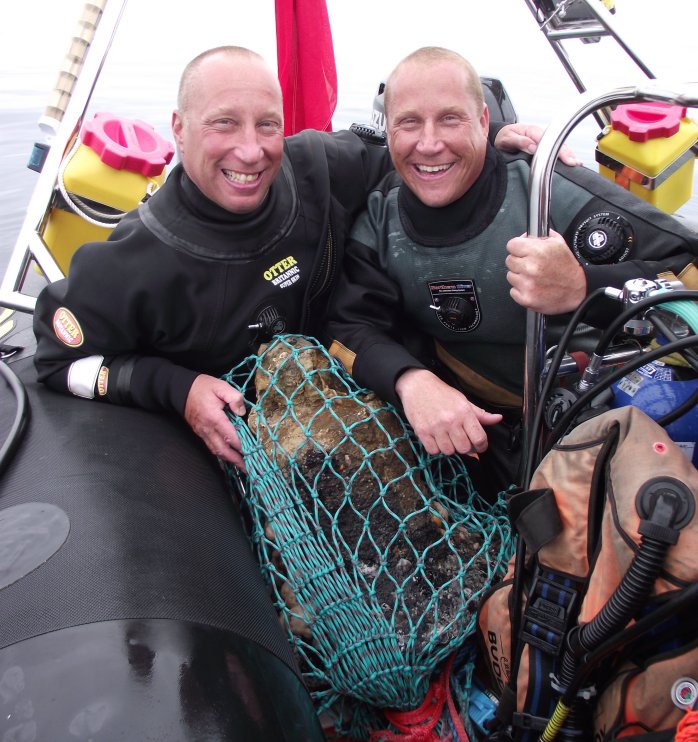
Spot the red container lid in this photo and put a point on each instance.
(643, 121)
(127, 144)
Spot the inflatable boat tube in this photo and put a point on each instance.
(131, 607)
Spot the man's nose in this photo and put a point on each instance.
(429, 139)
(248, 145)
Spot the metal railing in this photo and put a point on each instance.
(67, 110)
(540, 180)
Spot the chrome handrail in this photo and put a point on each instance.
(539, 185)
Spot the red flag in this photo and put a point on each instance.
(307, 71)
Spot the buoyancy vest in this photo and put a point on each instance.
(610, 531)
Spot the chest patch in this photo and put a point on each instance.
(284, 273)
(456, 304)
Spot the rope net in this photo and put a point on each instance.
(376, 553)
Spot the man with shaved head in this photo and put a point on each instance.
(244, 239)
(441, 255)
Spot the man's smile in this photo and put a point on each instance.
(432, 169)
(241, 178)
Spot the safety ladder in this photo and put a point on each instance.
(562, 20)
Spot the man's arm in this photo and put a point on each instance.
(444, 420)
(91, 331)
(364, 328)
(205, 413)
(551, 275)
(364, 325)
(544, 274)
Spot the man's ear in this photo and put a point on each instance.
(485, 120)
(177, 126)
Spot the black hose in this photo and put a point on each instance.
(629, 596)
(603, 344)
(550, 378)
(627, 599)
(680, 411)
(622, 606)
(683, 600)
(19, 425)
(628, 314)
(601, 347)
(568, 416)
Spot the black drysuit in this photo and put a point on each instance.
(174, 290)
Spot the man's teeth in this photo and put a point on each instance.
(432, 168)
(240, 177)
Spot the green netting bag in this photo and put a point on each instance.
(376, 553)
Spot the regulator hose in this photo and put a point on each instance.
(684, 601)
(665, 505)
(567, 417)
(625, 602)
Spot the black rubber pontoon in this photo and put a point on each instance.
(131, 607)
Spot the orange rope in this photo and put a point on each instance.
(687, 729)
(418, 725)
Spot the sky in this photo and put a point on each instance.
(156, 38)
(499, 36)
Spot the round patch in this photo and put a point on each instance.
(67, 328)
(684, 693)
(30, 535)
(603, 237)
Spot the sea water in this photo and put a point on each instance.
(139, 78)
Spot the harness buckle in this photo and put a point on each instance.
(551, 607)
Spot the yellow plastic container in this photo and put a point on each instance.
(647, 150)
(117, 162)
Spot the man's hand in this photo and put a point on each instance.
(441, 416)
(525, 138)
(205, 413)
(544, 274)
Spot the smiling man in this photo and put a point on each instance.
(229, 130)
(437, 130)
(244, 239)
(430, 309)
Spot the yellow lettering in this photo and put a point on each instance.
(282, 265)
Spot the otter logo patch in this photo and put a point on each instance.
(102, 381)
(67, 328)
(284, 273)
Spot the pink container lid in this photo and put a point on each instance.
(127, 144)
(643, 121)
